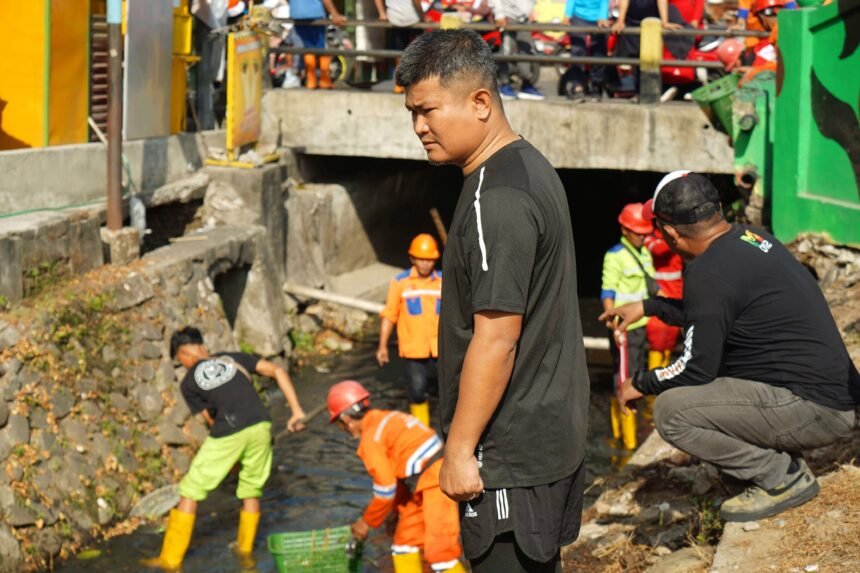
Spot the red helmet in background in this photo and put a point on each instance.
(631, 217)
(730, 51)
(343, 396)
(759, 5)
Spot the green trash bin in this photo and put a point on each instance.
(320, 551)
(715, 100)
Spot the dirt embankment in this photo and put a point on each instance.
(661, 514)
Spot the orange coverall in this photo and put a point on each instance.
(413, 305)
(668, 269)
(395, 446)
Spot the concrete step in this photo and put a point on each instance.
(369, 283)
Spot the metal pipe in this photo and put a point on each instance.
(601, 61)
(114, 127)
(332, 297)
(533, 27)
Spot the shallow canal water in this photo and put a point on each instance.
(317, 480)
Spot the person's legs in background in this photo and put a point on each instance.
(574, 79)
(416, 376)
(509, 47)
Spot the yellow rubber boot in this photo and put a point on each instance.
(177, 538)
(325, 73)
(248, 522)
(310, 71)
(407, 563)
(615, 417)
(422, 412)
(628, 430)
(667, 358)
(655, 359)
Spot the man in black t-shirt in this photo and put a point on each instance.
(764, 373)
(219, 387)
(512, 378)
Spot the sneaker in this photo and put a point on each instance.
(530, 92)
(576, 93)
(507, 92)
(756, 503)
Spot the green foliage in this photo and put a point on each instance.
(706, 526)
(19, 450)
(4, 303)
(302, 341)
(246, 347)
(45, 275)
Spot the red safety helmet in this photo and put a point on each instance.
(729, 52)
(631, 217)
(424, 247)
(761, 5)
(343, 396)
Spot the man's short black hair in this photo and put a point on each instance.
(188, 335)
(448, 55)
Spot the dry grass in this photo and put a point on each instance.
(825, 531)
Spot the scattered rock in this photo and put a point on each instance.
(17, 430)
(43, 439)
(179, 460)
(75, 431)
(4, 413)
(47, 543)
(148, 444)
(149, 331)
(9, 336)
(38, 418)
(9, 387)
(19, 516)
(179, 412)
(652, 451)
(308, 323)
(170, 435)
(662, 551)
(91, 411)
(61, 403)
(118, 402)
(7, 498)
(687, 560)
(619, 502)
(196, 430)
(10, 550)
(100, 447)
(133, 291)
(751, 526)
(150, 350)
(109, 354)
(104, 510)
(147, 372)
(150, 402)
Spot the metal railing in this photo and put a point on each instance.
(649, 65)
(531, 27)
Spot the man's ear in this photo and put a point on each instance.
(672, 232)
(482, 102)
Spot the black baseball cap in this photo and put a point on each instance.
(682, 198)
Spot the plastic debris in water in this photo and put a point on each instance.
(89, 554)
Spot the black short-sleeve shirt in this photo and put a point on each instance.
(218, 385)
(510, 249)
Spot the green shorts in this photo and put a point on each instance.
(251, 447)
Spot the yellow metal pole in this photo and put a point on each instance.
(450, 21)
(650, 54)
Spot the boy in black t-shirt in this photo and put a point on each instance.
(219, 387)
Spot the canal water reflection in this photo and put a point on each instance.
(317, 480)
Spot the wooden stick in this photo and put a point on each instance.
(440, 226)
(308, 417)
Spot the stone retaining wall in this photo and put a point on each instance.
(91, 417)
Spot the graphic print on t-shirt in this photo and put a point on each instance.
(214, 373)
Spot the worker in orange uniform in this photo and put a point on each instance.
(748, 19)
(765, 51)
(403, 456)
(414, 300)
(668, 272)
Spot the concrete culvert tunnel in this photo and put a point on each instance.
(393, 198)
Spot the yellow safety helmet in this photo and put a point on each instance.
(424, 247)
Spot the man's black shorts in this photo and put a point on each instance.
(543, 518)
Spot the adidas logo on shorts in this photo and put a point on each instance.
(469, 511)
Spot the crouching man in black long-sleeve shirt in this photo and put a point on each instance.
(764, 373)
